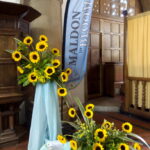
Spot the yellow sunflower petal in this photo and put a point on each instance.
(34, 57)
(123, 146)
(137, 146)
(56, 63)
(16, 56)
(55, 51)
(28, 40)
(106, 125)
(89, 106)
(43, 38)
(100, 134)
(98, 146)
(88, 113)
(64, 77)
(41, 46)
(72, 112)
(62, 91)
(127, 127)
(68, 71)
(20, 69)
(61, 139)
(49, 70)
(73, 145)
(32, 77)
(29, 66)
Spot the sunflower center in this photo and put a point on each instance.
(62, 91)
(33, 77)
(72, 112)
(55, 64)
(55, 51)
(68, 71)
(100, 134)
(43, 39)
(34, 56)
(17, 55)
(64, 77)
(28, 41)
(49, 71)
(126, 127)
(88, 113)
(122, 147)
(98, 148)
(42, 46)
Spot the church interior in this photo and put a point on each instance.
(116, 81)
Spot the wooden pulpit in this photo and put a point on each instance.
(14, 23)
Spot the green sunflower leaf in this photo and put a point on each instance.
(26, 83)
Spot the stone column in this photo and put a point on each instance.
(49, 23)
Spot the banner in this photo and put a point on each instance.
(76, 33)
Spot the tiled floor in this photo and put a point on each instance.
(140, 127)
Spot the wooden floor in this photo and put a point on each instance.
(140, 127)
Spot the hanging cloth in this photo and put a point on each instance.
(46, 123)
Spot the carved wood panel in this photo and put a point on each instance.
(106, 38)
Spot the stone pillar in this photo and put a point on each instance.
(49, 23)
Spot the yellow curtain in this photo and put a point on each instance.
(138, 53)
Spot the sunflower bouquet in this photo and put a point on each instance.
(37, 63)
(90, 136)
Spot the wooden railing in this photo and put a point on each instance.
(139, 91)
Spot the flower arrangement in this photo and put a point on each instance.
(90, 136)
(39, 64)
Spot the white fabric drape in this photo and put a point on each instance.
(138, 53)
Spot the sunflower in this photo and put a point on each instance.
(43, 38)
(20, 70)
(127, 127)
(28, 66)
(62, 91)
(28, 40)
(32, 77)
(41, 46)
(88, 114)
(68, 71)
(56, 63)
(16, 56)
(49, 70)
(55, 51)
(106, 125)
(98, 146)
(34, 57)
(100, 135)
(64, 77)
(123, 146)
(137, 146)
(89, 106)
(72, 112)
(73, 145)
(61, 139)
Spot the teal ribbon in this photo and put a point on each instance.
(46, 122)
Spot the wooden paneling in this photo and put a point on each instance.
(113, 78)
(106, 39)
(11, 96)
(112, 41)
